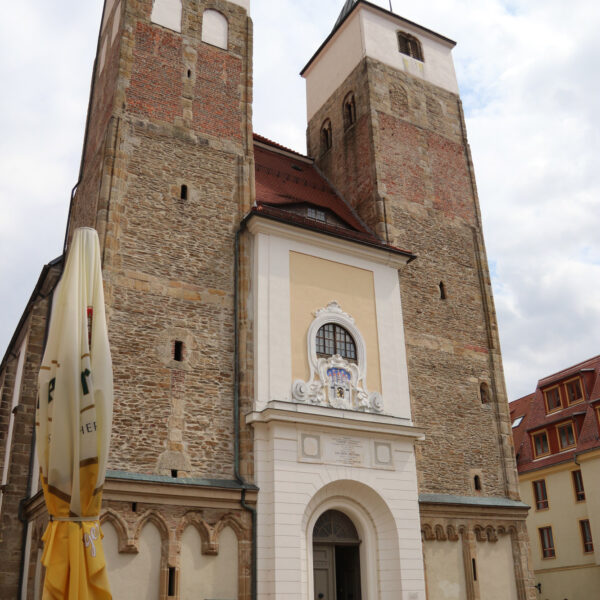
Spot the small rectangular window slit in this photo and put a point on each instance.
(171, 581)
(178, 351)
(184, 192)
(442, 291)
(174, 473)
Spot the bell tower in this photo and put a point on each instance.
(166, 177)
(167, 174)
(386, 126)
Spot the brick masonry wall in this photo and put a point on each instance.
(350, 163)
(423, 197)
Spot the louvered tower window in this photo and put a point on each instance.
(410, 45)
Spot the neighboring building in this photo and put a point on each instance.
(309, 396)
(557, 439)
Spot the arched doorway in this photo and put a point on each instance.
(336, 558)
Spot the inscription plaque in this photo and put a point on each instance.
(347, 451)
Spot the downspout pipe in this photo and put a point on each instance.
(236, 410)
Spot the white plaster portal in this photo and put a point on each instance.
(273, 244)
(295, 489)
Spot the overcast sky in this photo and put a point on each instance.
(529, 77)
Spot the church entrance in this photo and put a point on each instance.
(336, 559)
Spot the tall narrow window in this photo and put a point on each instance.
(443, 295)
(171, 586)
(540, 444)
(326, 136)
(215, 29)
(547, 541)
(578, 486)
(484, 393)
(349, 109)
(410, 45)
(178, 351)
(541, 495)
(184, 192)
(586, 536)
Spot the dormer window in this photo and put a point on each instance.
(553, 401)
(574, 391)
(540, 444)
(349, 109)
(326, 136)
(316, 214)
(410, 45)
(566, 436)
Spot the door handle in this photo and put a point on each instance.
(321, 596)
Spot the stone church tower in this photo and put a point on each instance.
(309, 396)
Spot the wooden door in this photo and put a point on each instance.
(324, 572)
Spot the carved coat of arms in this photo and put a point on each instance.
(334, 380)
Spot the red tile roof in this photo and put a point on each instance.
(583, 414)
(286, 179)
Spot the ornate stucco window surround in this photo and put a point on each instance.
(334, 380)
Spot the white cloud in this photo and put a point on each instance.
(528, 76)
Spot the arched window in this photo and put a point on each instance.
(167, 13)
(326, 136)
(349, 110)
(335, 527)
(334, 339)
(484, 393)
(410, 45)
(215, 29)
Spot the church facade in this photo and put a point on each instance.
(309, 395)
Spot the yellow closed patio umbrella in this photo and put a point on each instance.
(73, 423)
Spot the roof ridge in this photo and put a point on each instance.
(554, 375)
(346, 203)
(276, 146)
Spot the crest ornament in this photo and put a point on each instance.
(335, 381)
